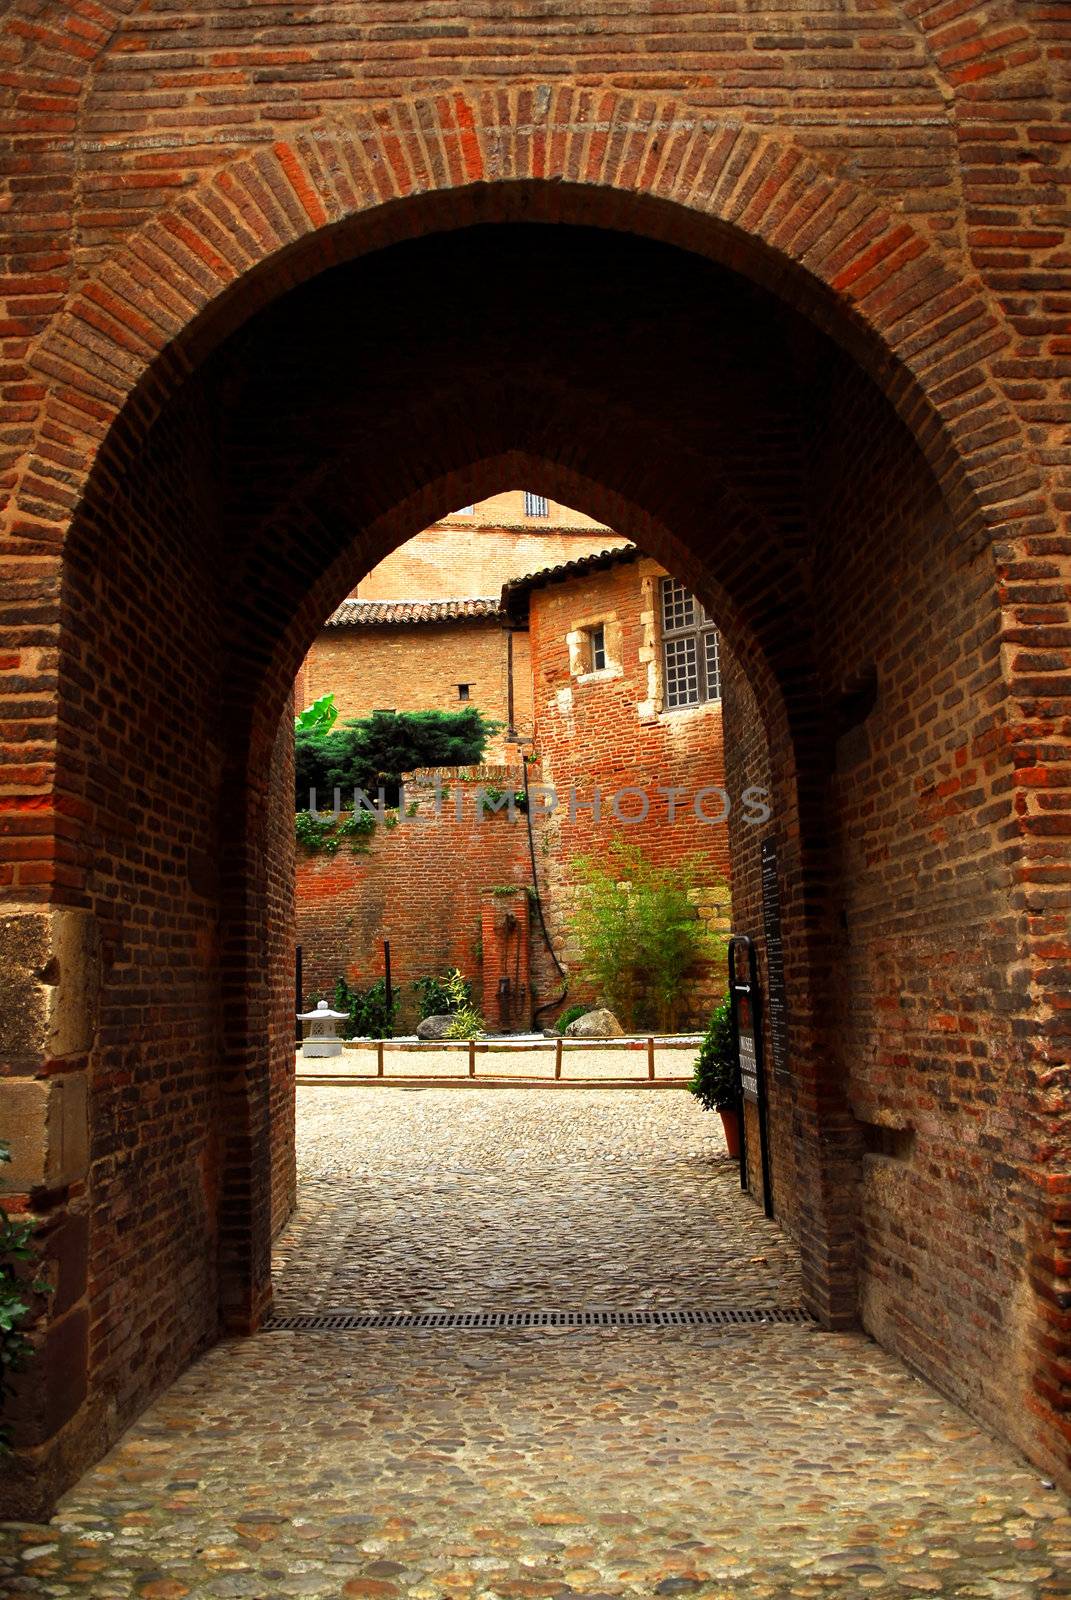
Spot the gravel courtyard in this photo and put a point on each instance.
(755, 1463)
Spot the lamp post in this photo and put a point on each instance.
(321, 1031)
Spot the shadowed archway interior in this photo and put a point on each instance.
(700, 415)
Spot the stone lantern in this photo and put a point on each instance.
(321, 1031)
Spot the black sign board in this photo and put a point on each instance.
(745, 1004)
(775, 958)
(745, 1049)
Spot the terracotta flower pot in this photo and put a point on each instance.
(730, 1121)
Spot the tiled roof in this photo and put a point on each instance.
(515, 594)
(378, 613)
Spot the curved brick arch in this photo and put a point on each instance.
(782, 703)
(982, 39)
(150, 315)
(743, 197)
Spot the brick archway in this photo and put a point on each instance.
(740, 195)
(154, 314)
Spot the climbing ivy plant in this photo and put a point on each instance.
(16, 1251)
(324, 835)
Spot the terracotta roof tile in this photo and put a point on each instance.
(515, 594)
(380, 613)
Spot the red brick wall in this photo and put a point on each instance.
(505, 961)
(281, 942)
(926, 953)
(360, 666)
(420, 885)
(747, 762)
(922, 990)
(609, 732)
(143, 866)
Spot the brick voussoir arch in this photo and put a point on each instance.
(473, 479)
(270, 220)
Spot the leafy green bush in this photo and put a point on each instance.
(714, 1080)
(443, 994)
(639, 933)
(466, 1023)
(16, 1251)
(372, 752)
(569, 1015)
(370, 1017)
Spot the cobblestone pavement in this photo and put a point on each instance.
(756, 1463)
(522, 1198)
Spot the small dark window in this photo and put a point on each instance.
(383, 711)
(689, 648)
(597, 646)
(463, 691)
(535, 505)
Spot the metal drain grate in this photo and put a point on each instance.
(714, 1317)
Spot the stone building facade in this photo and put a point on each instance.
(835, 241)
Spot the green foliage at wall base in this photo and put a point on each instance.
(443, 994)
(370, 1017)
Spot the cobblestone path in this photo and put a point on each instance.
(754, 1463)
(517, 1198)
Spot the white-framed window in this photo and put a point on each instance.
(597, 648)
(535, 505)
(691, 670)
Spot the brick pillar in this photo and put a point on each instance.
(249, 1031)
(507, 986)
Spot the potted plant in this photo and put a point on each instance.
(714, 1080)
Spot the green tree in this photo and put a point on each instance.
(372, 752)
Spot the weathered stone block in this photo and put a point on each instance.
(46, 1123)
(49, 983)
